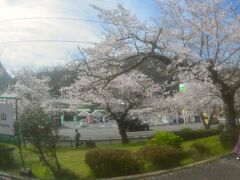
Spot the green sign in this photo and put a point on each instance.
(181, 87)
(62, 119)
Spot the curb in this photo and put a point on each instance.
(6, 176)
(161, 172)
(9, 176)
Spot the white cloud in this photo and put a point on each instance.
(15, 54)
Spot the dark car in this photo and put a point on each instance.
(178, 120)
(137, 125)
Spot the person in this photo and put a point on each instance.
(77, 138)
(237, 148)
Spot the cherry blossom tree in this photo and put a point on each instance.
(35, 124)
(30, 89)
(189, 34)
(198, 98)
(127, 44)
(207, 33)
(121, 95)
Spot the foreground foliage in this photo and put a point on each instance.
(189, 134)
(198, 151)
(42, 133)
(6, 156)
(161, 156)
(166, 138)
(74, 159)
(112, 162)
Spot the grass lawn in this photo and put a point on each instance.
(73, 159)
(212, 142)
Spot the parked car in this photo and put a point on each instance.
(137, 125)
(178, 120)
(197, 119)
(83, 123)
(97, 120)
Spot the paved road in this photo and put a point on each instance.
(227, 168)
(110, 130)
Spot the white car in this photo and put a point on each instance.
(83, 123)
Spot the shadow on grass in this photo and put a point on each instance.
(67, 174)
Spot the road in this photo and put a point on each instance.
(226, 168)
(110, 130)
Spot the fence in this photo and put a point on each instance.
(71, 142)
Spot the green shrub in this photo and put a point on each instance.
(112, 162)
(8, 139)
(186, 130)
(189, 134)
(161, 156)
(166, 138)
(42, 133)
(90, 144)
(6, 156)
(229, 137)
(199, 151)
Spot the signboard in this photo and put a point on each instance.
(181, 87)
(62, 119)
(6, 119)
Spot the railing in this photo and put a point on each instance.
(71, 142)
(64, 141)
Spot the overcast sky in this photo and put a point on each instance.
(18, 23)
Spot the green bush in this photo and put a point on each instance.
(42, 133)
(186, 130)
(189, 134)
(112, 162)
(8, 139)
(6, 156)
(161, 156)
(166, 138)
(199, 151)
(229, 137)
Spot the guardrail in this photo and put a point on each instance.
(71, 142)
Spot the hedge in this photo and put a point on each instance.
(166, 138)
(189, 134)
(161, 156)
(198, 151)
(112, 162)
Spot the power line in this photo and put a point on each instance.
(32, 65)
(52, 18)
(64, 18)
(48, 41)
(124, 3)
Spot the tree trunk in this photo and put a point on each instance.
(205, 124)
(229, 109)
(227, 93)
(54, 155)
(122, 132)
